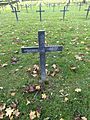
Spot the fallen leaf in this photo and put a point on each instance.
(30, 88)
(61, 119)
(29, 70)
(47, 118)
(53, 73)
(34, 72)
(46, 65)
(2, 106)
(84, 118)
(1, 115)
(37, 114)
(16, 113)
(73, 68)
(77, 90)
(36, 67)
(9, 111)
(28, 102)
(32, 115)
(17, 70)
(38, 87)
(1, 88)
(78, 57)
(66, 99)
(78, 118)
(57, 70)
(14, 60)
(54, 66)
(13, 94)
(34, 75)
(13, 105)
(44, 96)
(4, 65)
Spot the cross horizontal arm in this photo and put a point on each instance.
(15, 11)
(87, 9)
(40, 10)
(63, 10)
(53, 48)
(29, 49)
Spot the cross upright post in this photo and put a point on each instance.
(64, 12)
(80, 5)
(15, 11)
(87, 11)
(54, 7)
(26, 6)
(67, 5)
(40, 11)
(42, 49)
(17, 6)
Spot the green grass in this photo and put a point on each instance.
(74, 35)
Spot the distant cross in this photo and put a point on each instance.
(53, 7)
(64, 12)
(15, 11)
(17, 6)
(80, 5)
(21, 6)
(26, 6)
(42, 49)
(59, 5)
(10, 4)
(67, 5)
(49, 5)
(40, 11)
(87, 11)
(30, 6)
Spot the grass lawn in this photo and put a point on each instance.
(67, 94)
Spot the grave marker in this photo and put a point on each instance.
(42, 49)
(17, 5)
(87, 11)
(40, 11)
(80, 5)
(53, 6)
(10, 4)
(21, 6)
(64, 12)
(67, 5)
(26, 6)
(15, 11)
(31, 6)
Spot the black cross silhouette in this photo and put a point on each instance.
(40, 11)
(15, 11)
(87, 11)
(42, 49)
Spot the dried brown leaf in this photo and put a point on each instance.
(2, 106)
(1, 115)
(32, 115)
(9, 111)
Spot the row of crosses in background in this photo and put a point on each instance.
(42, 49)
(14, 10)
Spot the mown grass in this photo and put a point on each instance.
(74, 35)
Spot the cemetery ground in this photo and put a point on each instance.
(67, 89)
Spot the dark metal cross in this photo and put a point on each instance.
(80, 5)
(15, 11)
(53, 7)
(42, 49)
(40, 11)
(26, 6)
(67, 5)
(64, 12)
(87, 11)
